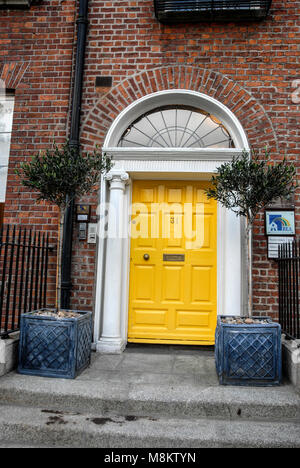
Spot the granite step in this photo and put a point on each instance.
(156, 399)
(40, 427)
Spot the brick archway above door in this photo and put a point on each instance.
(11, 74)
(250, 112)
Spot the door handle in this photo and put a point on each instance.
(146, 256)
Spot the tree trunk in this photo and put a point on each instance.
(59, 257)
(249, 268)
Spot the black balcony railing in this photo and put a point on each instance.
(289, 288)
(178, 11)
(24, 256)
(15, 4)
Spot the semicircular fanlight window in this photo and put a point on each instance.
(176, 127)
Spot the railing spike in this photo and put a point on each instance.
(21, 273)
(289, 290)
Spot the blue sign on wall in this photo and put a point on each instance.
(280, 223)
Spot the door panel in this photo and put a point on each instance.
(203, 276)
(173, 293)
(144, 283)
(172, 283)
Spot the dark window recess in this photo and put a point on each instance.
(180, 11)
(103, 82)
(1, 214)
(13, 4)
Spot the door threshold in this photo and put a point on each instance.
(167, 347)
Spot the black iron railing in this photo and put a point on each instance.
(289, 288)
(24, 258)
(174, 11)
(15, 4)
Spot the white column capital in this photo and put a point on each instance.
(117, 179)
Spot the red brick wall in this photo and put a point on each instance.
(36, 49)
(248, 67)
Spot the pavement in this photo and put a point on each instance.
(146, 364)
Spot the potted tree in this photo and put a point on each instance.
(55, 342)
(248, 349)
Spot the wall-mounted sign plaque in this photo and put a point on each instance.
(83, 213)
(275, 242)
(280, 222)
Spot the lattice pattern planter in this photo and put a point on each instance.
(248, 354)
(53, 347)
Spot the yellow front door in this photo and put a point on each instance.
(173, 264)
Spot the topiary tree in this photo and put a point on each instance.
(248, 184)
(60, 174)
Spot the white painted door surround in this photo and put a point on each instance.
(112, 283)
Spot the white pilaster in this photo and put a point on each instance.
(111, 340)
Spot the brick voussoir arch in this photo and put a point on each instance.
(12, 73)
(250, 112)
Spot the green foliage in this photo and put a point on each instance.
(247, 184)
(63, 173)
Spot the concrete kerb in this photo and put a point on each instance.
(291, 361)
(9, 353)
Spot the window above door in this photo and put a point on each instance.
(176, 127)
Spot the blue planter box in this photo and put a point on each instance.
(51, 347)
(248, 354)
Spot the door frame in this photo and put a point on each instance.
(112, 280)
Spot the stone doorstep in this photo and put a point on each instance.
(98, 410)
(9, 353)
(290, 358)
(185, 400)
(291, 361)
